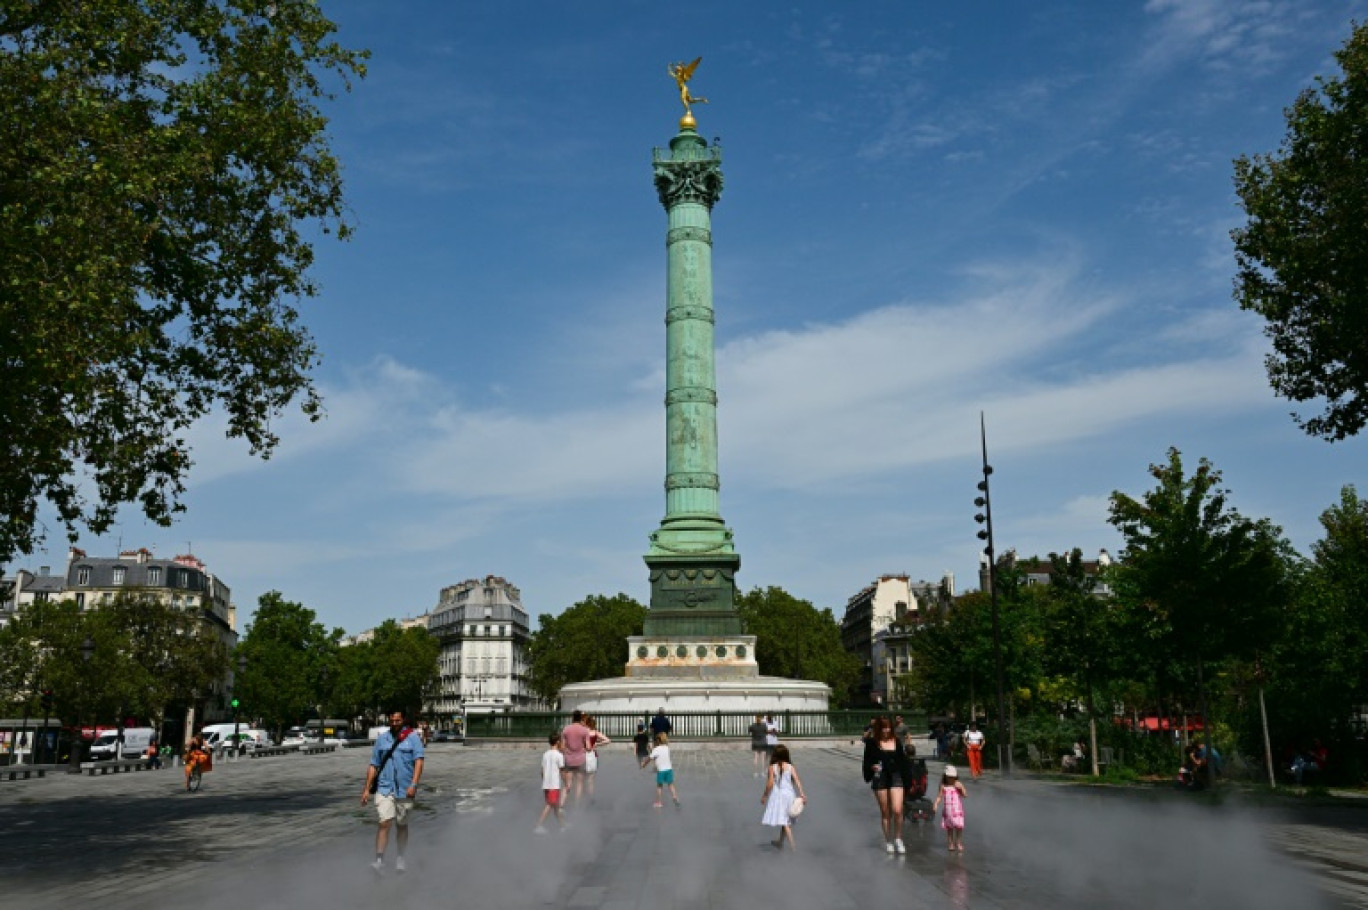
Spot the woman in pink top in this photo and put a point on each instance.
(575, 744)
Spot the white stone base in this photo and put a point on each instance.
(643, 695)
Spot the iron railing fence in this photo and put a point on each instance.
(687, 725)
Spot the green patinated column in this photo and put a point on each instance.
(692, 560)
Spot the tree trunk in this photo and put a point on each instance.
(1011, 732)
(1092, 730)
(1268, 748)
(1206, 727)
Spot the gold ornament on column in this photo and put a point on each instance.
(682, 73)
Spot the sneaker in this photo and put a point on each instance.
(540, 829)
(888, 848)
(378, 867)
(400, 866)
(898, 846)
(657, 805)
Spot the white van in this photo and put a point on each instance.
(135, 743)
(220, 736)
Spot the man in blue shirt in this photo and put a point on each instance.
(660, 724)
(396, 766)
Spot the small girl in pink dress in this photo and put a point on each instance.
(952, 791)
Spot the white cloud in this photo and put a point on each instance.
(829, 403)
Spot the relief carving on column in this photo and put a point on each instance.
(676, 313)
(679, 234)
(695, 479)
(690, 393)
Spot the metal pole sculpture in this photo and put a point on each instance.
(985, 518)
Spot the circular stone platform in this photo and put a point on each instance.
(643, 695)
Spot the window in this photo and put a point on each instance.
(106, 597)
(119, 573)
(80, 601)
(503, 630)
(154, 575)
(83, 575)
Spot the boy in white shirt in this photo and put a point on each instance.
(660, 757)
(552, 761)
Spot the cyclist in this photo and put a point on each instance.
(197, 757)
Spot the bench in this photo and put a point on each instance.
(114, 767)
(315, 749)
(272, 750)
(22, 772)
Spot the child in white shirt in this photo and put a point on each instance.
(552, 761)
(660, 757)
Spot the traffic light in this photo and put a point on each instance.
(46, 700)
(235, 704)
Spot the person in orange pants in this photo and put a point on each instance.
(973, 744)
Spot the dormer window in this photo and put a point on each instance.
(119, 574)
(154, 575)
(83, 575)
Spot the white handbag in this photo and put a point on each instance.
(591, 763)
(796, 807)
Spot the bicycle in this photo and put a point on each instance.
(198, 761)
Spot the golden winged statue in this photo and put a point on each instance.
(682, 73)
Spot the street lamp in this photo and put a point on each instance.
(322, 690)
(985, 518)
(241, 666)
(87, 652)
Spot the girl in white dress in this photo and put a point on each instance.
(785, 786)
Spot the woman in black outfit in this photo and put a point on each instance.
(888, 770)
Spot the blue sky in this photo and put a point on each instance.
(930, 210)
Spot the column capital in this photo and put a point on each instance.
(690, 170)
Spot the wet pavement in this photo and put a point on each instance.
(288, 831)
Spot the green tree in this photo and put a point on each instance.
(1207, 582)
(1300, 256)
(586, 641)
(284, 647)
(162, 161)
(392, 670)
(952, 657)
(795, 640)
(1081, 641)
(147, 655)
(405, 666)
(1316, 673)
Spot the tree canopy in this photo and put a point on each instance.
(795, 640)
(393, 670)
(1300, 256)
(586, 641)
(159, 163)
(148, 654)
(285, 648)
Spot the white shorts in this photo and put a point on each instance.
(392, 808)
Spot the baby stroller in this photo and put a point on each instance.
(916, 807)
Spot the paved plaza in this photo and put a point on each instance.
(288, 832)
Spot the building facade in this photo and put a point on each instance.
(183, 582)
(876, 624)
(483, 630)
